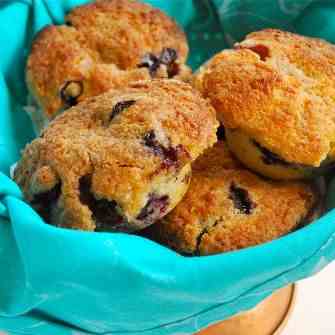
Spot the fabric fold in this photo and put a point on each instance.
(55, 280)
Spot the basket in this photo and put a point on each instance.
(58, 281)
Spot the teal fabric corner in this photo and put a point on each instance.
(58, 281)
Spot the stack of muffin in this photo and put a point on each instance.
(130, 140)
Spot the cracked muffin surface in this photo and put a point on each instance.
(274, 93)
(230, 208)
(103, 45)
(118, 161)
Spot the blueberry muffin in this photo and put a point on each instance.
(118, 161)
(230, 208)
(103, 45)
(275, 96)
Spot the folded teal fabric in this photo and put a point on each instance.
(58, 281)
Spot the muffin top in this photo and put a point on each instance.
(215, 159)
(103, 45)
(122, 31)
(230, 208)
(122, 141)
(278, 88)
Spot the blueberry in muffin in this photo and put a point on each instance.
(227, 207)
(118, 161)
(274, 93)
(103, 45)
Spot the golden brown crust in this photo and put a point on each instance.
(278, 88)
(122, 31)
(213, 159)
(101, 49)
(57, 56)
(208, 220)
(130, 143)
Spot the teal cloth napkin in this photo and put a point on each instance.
(58, 281)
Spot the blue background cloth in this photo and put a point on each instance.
(58, 281)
